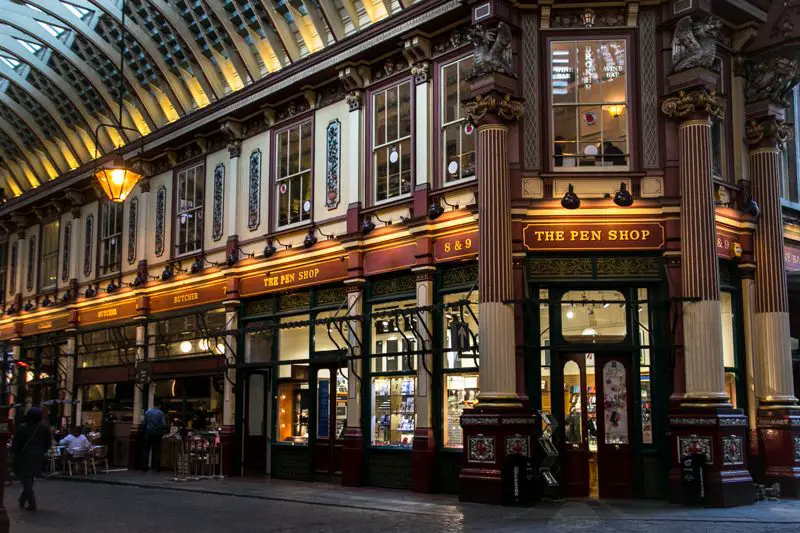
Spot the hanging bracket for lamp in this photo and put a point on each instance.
(116, 179)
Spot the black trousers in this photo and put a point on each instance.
(27, 486)
(152, 444)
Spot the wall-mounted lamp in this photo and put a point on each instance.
(28, 306)
(90, 292)
(112, 287)
(435, 210)
(270, 249)
(615, 110)
(623, 198)
(570, 199)
(197, 265)
(168, 273)
(310, 239)
(11, 309)
(367, 225)
(66, 297)
(47, 302)
(752, 208)
(235, 254)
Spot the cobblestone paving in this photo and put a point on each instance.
(95, 508)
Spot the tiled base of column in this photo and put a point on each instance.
(720, 435)
(135, 443)
(489, 437)
(423, 455)
(353, 458)
(779, 443)
(227, 441)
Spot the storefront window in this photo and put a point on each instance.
(593, 316)
(642, 319)
(91, 399)
(293, 381)
(458, 141)
(728, 345)
(191, 336)
(460, 362)
(192, 403)
(107, 347)
(394, 380)
(544, 342)
(589, 104)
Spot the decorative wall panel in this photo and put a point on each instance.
(65, 251)
(333, 163)
(31, 262)
(87, 247)
(218, 206)
(530, 51)
(649, 92)
(254, 191)
(12, 276)
(161, 207)
(133, 222)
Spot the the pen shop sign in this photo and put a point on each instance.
(791, 255)
(593, 236)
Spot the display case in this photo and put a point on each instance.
(394, 419)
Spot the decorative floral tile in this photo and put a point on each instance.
(732, 450)
(481, 449)
(691, 445)
(518, 444)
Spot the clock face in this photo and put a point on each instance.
(452, 167)
(394, 156)
(307, 206)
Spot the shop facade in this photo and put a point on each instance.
(519, 223)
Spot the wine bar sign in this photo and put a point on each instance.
(594, 236)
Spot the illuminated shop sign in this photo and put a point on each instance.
(594, 236)
(290, 278)
(791, 255)
(189, 297)
(458, 246)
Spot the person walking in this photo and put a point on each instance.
(155, 424)
(32, 440)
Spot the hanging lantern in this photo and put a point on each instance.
(117, 180)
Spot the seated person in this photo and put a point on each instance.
(76, 440)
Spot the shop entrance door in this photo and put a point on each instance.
(330, 386)
(256, 438)
(597, 414)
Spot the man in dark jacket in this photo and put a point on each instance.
(32, 440)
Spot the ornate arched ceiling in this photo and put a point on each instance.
(59, 75)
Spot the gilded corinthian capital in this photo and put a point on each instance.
(688, 102)
(768, 132)
(505, 107)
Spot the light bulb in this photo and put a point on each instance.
(118, 176)
(570, 314)
(186, 346)
(220, 348)
(202, 344)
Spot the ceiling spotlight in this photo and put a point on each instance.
(367, 225)
(570, 199)
(435, 211)
(623, 197)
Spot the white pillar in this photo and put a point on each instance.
(354, 149)
(423, 124)
(66, 380)
(228, 399)
(144, 217)
(141, 342)
(748, 310)
(232, 187)
(19, 281)
(75, 254)
(423, 398)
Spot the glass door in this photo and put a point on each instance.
(614, 421)
(580, 425)
(256, 425)
(331, 419)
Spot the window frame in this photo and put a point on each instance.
(631, 101)
(53, 254)
(371, 167)
(102, 269)
(789, 162)
(438, 117)
(274, 208)
(175, 244)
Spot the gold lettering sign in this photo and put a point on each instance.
(290, 278)
(107, 313)
(44, 325)
(183, 298)
(594, 236)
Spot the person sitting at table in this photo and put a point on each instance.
(76, 440)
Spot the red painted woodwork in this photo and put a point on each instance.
(227, 440)
(135, 443)
(614, 461)
(423, 454)
(779, 443)
(352, 457)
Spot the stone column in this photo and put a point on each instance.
(354, 79)
(142, 242)
(233, 130)
(136, 438)
(353, 447)
(499, 422)
(704, 420)
(778, 422)
(228, 434)
(19, 281)
(424, 449)
(16, 354)
(66, 378)
(748, 310)
(417, 50)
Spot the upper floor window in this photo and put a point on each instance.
(48, 272)
(589, 111)
(189, 209)
(391, 141)
(294, 149)
(458, 143)
(110, 237)
(717, 148)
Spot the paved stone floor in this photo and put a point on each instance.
(153, 504)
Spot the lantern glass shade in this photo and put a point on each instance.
(117, 180)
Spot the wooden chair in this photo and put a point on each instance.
(77, 458)
(99, 454)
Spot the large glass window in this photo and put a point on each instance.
(593, 316)
(189, 209)
(394, 381)
(790, 164)
(460, 363)
(110, 237)
(293, 381)
(589, 112)
(106, 347)
(294, 149)
(191, 335)
(642, 319)
(391, 142)
(717, 148)
(729, 345)
(48, 272)
(458, 143)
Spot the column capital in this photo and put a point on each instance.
(234, 148)
(493, 108)
(694, 103)
(768, 132)
(421, 72)
(355, 100)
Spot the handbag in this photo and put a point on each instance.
(21, 451)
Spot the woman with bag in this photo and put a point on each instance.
(32, 440)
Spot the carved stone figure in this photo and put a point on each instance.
(772, 79)
(492, 50)
(693, 44)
